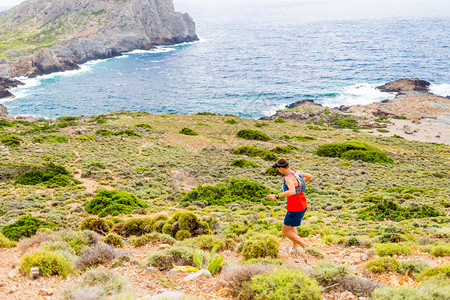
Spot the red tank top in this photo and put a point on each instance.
(297, 202)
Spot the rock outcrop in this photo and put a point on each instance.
(44, 36)
(6, 84)
(404, 86)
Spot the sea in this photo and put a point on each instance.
(255, 57)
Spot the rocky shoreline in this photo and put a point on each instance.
(420, 114)
(92, 30)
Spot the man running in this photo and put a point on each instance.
(294, 185)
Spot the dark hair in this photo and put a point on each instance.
(281, 163)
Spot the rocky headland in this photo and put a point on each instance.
(45, 36)
(415, 113)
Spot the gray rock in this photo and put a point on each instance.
(173, 272)
(202, 272)
(34, 273)
(408, 130)
(80, 131)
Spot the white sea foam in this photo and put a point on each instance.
(440, 89)
(362, 93)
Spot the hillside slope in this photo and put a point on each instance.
(43, 36)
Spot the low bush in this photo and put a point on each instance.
(272, 172)
(223, 193)
(50, 139)
(328, 273)
(10, 141)
(99, 283)
(314, 252)
(99, 254)
(48, 174)
(25, 226)
(261, 245)
(114, 202)
(114, 240)
(188, 131)
(106, 132)
(382, 264)
(48, 264)
(182, 235)
(441, 250)
(436, 273)
(250, 134)
(237, 278)
(429, 291)
(413, 267)
(354, 151)
(284, 284)
(243, 163)
(252, 151)
(205, 242)
(95, 224)
(231, 121)
(389, 210)
(147, 126)
(5, 242)
(165, 259)
(390, 249)
(149, 238)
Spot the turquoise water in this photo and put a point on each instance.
(249, 62)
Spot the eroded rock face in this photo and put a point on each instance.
(5, 85)
(3, 111)
(406, 85)
(71, 32)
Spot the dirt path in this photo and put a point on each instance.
(90, 184)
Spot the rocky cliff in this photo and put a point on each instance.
(43, 36)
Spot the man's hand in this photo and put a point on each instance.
(271, 197)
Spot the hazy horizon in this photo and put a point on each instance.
(327, 9)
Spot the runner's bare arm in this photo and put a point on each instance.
(306, 176)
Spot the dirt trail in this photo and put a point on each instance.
(90, 184)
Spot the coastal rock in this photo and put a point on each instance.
(301, 111)
(3, 111)
(406, 85)
(64, 34)
(408, 130)
(5, 85)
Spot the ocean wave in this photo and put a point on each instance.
(360, 93)
(440, 89)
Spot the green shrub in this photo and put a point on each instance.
(50, 139)
(284, 149)
(49, 174)
(84, 137)
(147, 126)
(259, 125)
(328, 273)
(284, 284)
(429, 291)
(25, 226)
(205, 242)
(231, 121)
(436, 273)
(252, 151)
(182, 235)
(382, 130)
(5, 242)
(114, 240)
(114, 202)
(96, 165)
(187, 221)
(243, 163)
(272, 172)
(441, 250)
(413, 267)
(388, 209)
(352, 242)
(10, 141)
(382, 264)
(223, 193)
(314, 251)
(354, 151)
(261, 246)
(165, 259)
(48, 264)
(95, 224)
(348, 123)
(390, 249)
(149, 238)
(188, 131)
(250, 134)
(279, 121)
(264, 261)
